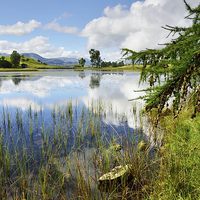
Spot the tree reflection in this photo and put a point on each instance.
(95, 80)
(16, 80)
(1, 82)
(82, 74)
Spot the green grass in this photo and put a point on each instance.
(32, 65)
(136, 68)
(179, 175)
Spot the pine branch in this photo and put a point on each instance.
(178, 62)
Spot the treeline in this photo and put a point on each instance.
(112, 64)
(96, 61)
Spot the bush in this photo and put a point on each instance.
(5, 64)
(77, 66)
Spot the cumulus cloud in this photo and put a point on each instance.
(37, 44)
(54, 25)
(19, 29)
(40, 46)
(136, 28)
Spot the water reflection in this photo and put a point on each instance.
(95, 80)
(82, 74)
(1, 80)
(16, 80)
(52, 115)
(50, 87)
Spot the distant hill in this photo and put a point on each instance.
(62, 61)
(4, 54)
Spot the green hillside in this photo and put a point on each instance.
(31, 64)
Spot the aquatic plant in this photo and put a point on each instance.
(63, 158)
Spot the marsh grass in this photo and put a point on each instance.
(63, 158)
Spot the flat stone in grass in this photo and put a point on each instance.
(114, 180)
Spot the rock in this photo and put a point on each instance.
(142, 146)
(116, 147)
(113, 180)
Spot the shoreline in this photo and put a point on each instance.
(129, 67)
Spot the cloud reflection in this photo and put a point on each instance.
(114, 90)
(20, 103)
(115, 95)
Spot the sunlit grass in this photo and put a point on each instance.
(178, 174)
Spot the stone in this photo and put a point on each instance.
(113, 180)
(142, 146)
(116, 147)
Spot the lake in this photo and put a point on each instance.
(50, 114)
(44, 89)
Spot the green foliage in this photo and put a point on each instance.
(77, 66)
(95, 58)
(120, 64)
(15, 59)
(4, 63)
(178, 63)
(82, 62)
(179, 174)
(112, 64)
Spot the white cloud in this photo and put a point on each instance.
(19, 29)
(136, 28)
(54, 25)
(37, 44)
(40, 46)
(66, 15)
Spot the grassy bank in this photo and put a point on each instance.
(127, 67)
(178, 176)
(33, 65)
(17, 69)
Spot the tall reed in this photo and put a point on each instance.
(63, 158)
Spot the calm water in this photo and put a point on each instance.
(49, 114)
(41, 96)
(44, 89)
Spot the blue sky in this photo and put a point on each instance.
(70, 28)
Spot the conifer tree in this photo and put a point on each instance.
(178, 62)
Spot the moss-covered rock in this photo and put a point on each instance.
(142, 146)
(114, 180)
(116, 147)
